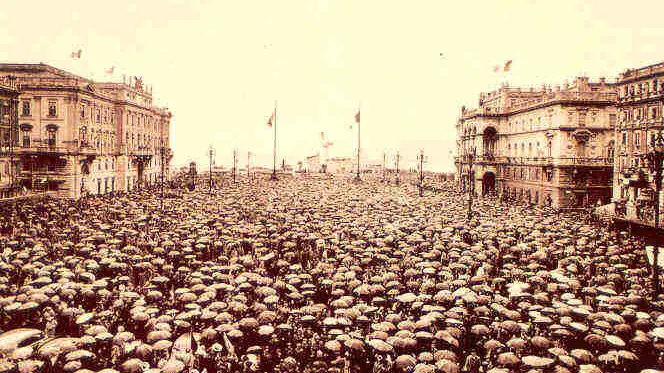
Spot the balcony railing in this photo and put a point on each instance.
(583, 161)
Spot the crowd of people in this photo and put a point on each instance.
(319, 274)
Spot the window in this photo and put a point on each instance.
(83, 136)
(653, 113)
(26, 138)
(612, 120)
(582, 119)
(51, 138)
(624, 138)
(98, 116)
(26, 109)
(637, 139)
(82, 111)
(52, 109)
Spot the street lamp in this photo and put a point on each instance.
(397, 164)
(211, 153)
(163, 155)
(654, 160)
(470, 156)
(420, 157)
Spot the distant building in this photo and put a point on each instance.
(77, 135)
(640, 100)
(548, 146)
(340, 165)
(312, 163)
(8, 135)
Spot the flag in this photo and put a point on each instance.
(76, 55)
(505, 68)
(322, 135)
(357, 119)
(269, 121)
(110, 71)
(327, 144)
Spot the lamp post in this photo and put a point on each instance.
(163, 155)
(248, 164)
(420, 157)
(397, 164)
(211, 153)
(654, 159)
(471, 184)
(234, 164)
(384, 168)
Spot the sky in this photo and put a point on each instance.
(221, 66)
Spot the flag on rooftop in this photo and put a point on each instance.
(76, 55)
(269, 121)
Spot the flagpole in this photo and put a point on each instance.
(274, 150)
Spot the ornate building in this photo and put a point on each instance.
(640, 99)
(548, 146)
(76, 135)
(8, 135)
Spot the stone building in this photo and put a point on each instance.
(546, 146)
(8, 135)
(640, 99)
(77, 135)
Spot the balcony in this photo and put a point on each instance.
(43, 149)
(583, 161)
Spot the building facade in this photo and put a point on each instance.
(8, 135)
(640, 99)
(550, 146)
(78, 136)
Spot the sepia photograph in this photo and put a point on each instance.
(331, 186)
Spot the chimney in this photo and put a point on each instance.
(557, 87)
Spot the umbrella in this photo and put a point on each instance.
(173, 366)
(537, 361)
(379, 345)
(333, 346)
(508, 359)
(405, 362)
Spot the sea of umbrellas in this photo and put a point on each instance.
(319, 274)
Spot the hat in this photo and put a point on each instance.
(216, 347)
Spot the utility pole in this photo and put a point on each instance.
(234, 164)
(397, 162)
(384, 168)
